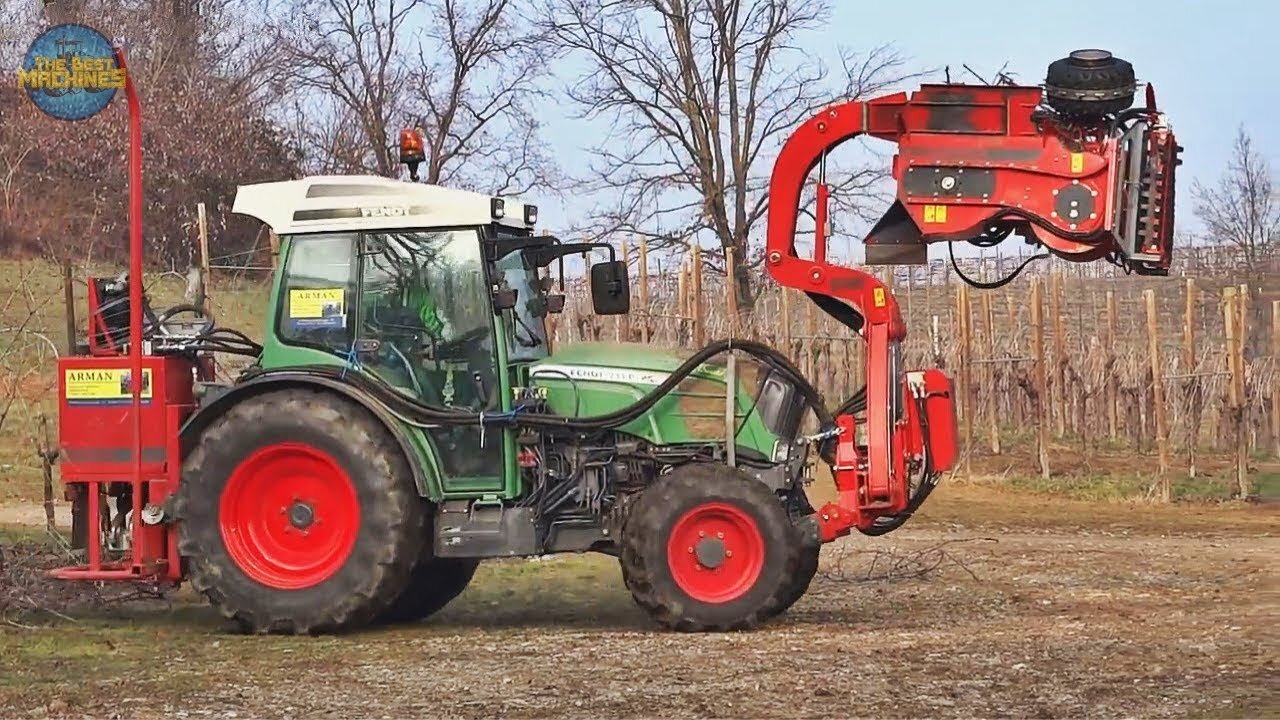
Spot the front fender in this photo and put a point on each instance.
(427, 483)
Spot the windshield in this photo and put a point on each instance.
(526, 324)
(436, 276)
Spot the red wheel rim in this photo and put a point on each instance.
(715, 552)
(289, 516)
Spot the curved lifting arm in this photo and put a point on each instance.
(870, 299)
(856, 298)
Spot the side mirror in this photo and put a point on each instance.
(504, 299)
(610, 288)
(555, 304)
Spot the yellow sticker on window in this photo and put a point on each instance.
(318, 307)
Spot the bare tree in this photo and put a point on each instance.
(1241, 209)
(700, 94)
(205, 132)
(352, 52)
(468, 78)
(476, 91)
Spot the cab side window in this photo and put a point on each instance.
(317, 291)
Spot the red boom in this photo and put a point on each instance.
(973, 163)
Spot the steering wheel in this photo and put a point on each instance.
(202, 325)
(457, 346)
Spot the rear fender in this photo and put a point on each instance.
(427, 483)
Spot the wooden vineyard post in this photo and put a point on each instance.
(989, 399)
(274, 240)
(1013, 319)
(682, 302)
(644, 291)
(553, 321)
(1157, 383)
(730, 293)
(699, 316)
(1037, 351)
(966, 374)
(784, 298)
(69, 302)
(206, 275)
(1244, 333)
(1235, 395)
(1192, 383)
(1059, 356)
(622, 323)
(811, 327)
(1112, 382)
(1275, 377)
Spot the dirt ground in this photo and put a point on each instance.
(992, 604)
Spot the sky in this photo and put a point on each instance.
(1210, 63)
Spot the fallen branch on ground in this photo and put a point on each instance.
(850, 565)
(27, 590)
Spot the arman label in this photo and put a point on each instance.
(1077, 162)
(935, 214)
(103, 386)
(877, 297)
(318, 308)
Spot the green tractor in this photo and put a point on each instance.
(404, 420)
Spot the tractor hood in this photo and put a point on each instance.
(587, 379)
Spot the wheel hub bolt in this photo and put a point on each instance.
(711, 553)
(301, 516)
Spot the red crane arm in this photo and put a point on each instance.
(803, 151)
(1086, 178)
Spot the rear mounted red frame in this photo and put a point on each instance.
(102, 441)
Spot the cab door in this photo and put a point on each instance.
(427, 327)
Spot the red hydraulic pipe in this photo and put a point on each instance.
(135, 283)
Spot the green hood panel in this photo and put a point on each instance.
(594, 378)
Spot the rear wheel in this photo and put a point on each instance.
(298, 514)
(708, 548)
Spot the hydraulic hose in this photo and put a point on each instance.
(928, 481)
(436, 414)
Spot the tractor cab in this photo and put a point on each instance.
(440, 293)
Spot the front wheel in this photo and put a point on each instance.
(708, 548)
(810, 553)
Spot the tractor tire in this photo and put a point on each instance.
(707, 548)
(434, 583)
(1090, 84)
(298, 514)
(810, 548)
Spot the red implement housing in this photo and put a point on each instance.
(973, 163)
(96, 452)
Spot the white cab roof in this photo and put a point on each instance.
(332, 203)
